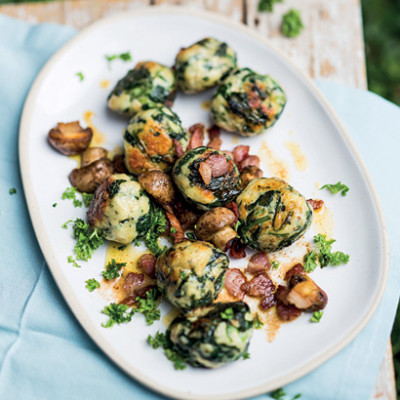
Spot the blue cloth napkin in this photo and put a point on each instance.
(45, 354)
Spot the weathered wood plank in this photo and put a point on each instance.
(331, 45)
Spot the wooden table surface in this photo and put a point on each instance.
(330, 47)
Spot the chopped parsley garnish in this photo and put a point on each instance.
(267, 5)
(12, 191)
(236, 227)
(77, 203)
(275, 264)
(118, 314)
(246, 356)
(69, 193)
(161, 340)
(123, 56)
(122, 247)
(73, 262)
(310, 261)
(149, 306)
(54, 204)
(87, 198)
(338, 187)
(258, 324)
(112, 270)
(292, 25)
(65, 224)
(227, 314)
(80, 76)
(173, 230)
(326, 257)
(92, 284)
(88, 239)
(152, 228)
(183, 274)
(191, 235)
(278, 394)
(316, 317)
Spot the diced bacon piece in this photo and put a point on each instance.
(178, 148)
(295, 270)
(132, 282)
(287, 312)
(234, 279)
(260, 286)
(206, 172)
(316, 204)
(240, 153)
(259, 262)
(197, 138)
(147, 262)
(268, 301)
(215, 141)
(233, 207)
(178, 235)
(249, 160)
(237, 249)
(219, 164)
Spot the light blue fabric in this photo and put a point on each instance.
(45, 354)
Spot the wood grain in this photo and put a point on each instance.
(330, 47)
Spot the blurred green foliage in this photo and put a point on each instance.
(382, 45)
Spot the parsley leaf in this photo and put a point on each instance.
(267, 5)
(88, 239)
(155, 226)
(92, 284)
(310, 261)
(338, 187)
(161, 340)
(112, 270)
(80, 76)
(326, 256)
(122, 247)
(278, 394)
(173, 230)
(54, 204)
(123, 56)
(149, 306)
(65, 224)
(227, 314)
(69, 193)
(12, 191)
(118, 314)
(73, 262)
(246, 356)
(258, 324)
(292, 24)
(275, 264)
(316, 317)
(77, 203)
(87, 198)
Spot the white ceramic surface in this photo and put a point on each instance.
(354, 289)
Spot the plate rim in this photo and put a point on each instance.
(68, 293)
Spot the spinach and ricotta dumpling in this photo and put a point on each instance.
(152, 140)
(247, 103)
(207, 177)
(214, 335)
(118, 208)
(148, 85)
(203, 65)
(273, 215)
(191, 274)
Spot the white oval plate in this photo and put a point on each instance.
(158, 33)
